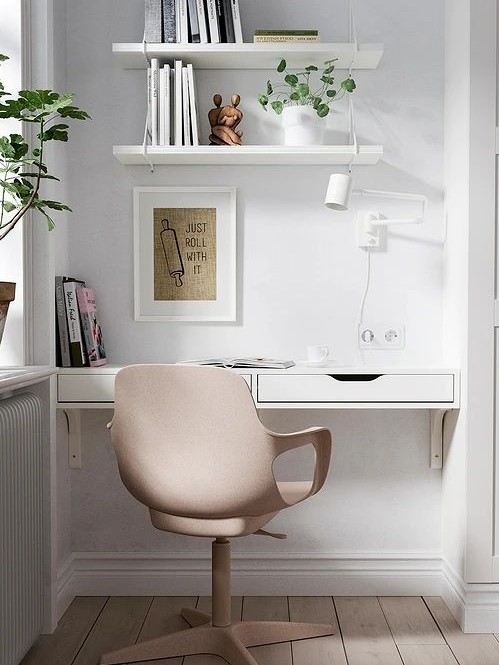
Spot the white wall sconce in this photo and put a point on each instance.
(371, 224)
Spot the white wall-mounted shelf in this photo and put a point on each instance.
(250, 56)
(248, 155)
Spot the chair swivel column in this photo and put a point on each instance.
(220, 583)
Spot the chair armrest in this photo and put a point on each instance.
(320, 438)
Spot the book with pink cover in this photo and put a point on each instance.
(91, 328)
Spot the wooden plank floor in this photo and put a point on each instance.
(370, 631)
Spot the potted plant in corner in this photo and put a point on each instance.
(22, 168)
(302, 103)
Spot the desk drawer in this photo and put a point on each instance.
(394, 388)
(85, 388)
(92, 387)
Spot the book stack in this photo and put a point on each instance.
(79, 334)
(192, 22)
(285, 36)
(172, 105)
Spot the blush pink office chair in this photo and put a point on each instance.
(190, 446)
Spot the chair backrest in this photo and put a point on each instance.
(189, 442)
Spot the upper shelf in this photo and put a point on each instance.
(250, 56)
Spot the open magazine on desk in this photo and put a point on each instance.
(251, 363)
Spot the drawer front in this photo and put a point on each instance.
(394, 388)
(85, 388)
(94, 387)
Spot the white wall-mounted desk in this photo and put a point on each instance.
(298, 387)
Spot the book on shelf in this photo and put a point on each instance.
(283, 36)
(236, 21)
(258, 363)
(221, 20)
(92, 331)
(154, 100)
(275, 39)
(177, 103)
(284, 39)
(164, 105)
(203, 27)
(153, 21)
(193, 105)
(76, 344)
(183, 22)
(186, 113)
(230, 35)
(211, 10)
(169, 22)
(193, 21)
(62, 333)
(287, 33)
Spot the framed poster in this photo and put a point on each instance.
(185, 253)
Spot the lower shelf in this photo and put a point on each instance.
(248, 154)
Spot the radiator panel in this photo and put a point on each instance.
(21, 530)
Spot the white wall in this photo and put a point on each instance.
(300, 274)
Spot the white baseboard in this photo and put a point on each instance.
(475, 606)
(296, 574)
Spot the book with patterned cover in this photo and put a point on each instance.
(92, 331)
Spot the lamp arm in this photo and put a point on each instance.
(389, 222)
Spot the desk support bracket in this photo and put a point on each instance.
(73, 417)
(437, 417)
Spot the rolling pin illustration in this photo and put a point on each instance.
(172, 252)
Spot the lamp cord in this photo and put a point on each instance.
(364, 298)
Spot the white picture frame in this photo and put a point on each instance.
(201, 237)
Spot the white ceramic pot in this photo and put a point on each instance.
(302, 126)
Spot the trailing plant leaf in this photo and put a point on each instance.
(322, 110)
(264, 100)
(291, 79)
(278, 107)
(348, 85)
(303, 90)
(270, 89)
(311, 68)
(281, 66)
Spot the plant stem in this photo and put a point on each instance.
(7, 228)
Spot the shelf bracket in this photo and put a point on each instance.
(73, 418)
(437, 417)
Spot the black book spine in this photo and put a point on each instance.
(169, 22)
(229, 22)
(193, 22)
(221, 21)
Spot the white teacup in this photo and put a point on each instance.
(317, 354)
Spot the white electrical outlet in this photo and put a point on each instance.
(377, 337)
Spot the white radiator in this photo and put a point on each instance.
(21, 547)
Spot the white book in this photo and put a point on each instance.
(186, 108)
(193, 105)
(184, 22)
(164, 105)
(161, 106)
(154, 100)
(178, 102)
(236, 18)
(148, 120)
(167, 103)
(203, 29)
(211, 6)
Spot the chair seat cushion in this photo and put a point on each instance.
(229, 527)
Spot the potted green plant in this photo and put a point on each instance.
(22, 167)
(303, 99)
